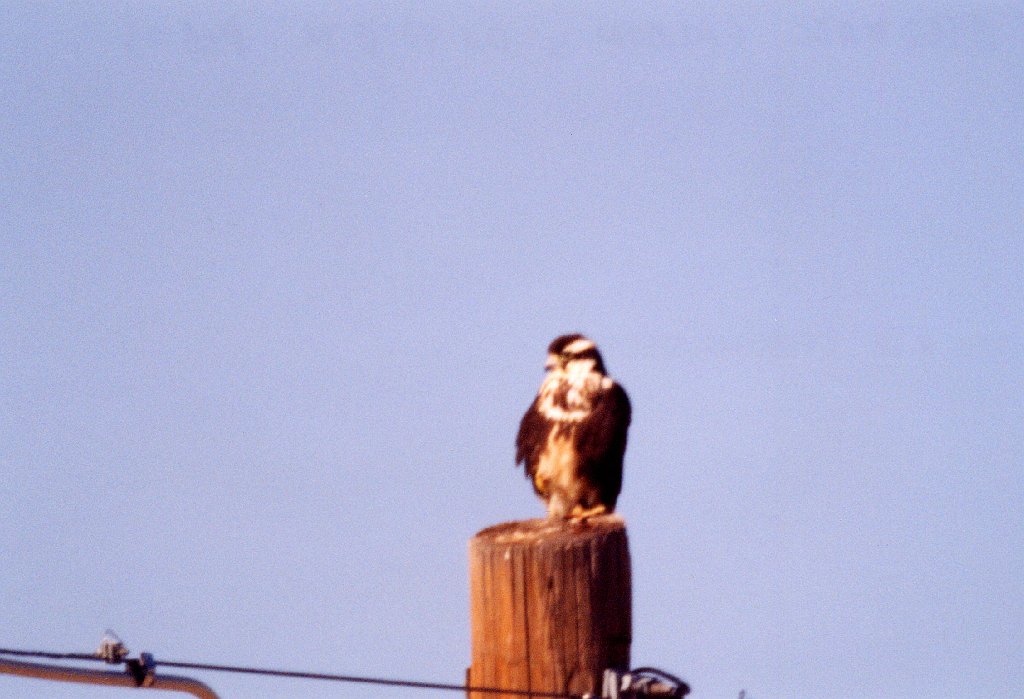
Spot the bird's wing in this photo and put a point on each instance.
(533, 434)
(601, 441)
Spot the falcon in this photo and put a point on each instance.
(573, 436)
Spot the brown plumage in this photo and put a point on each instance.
(572, 439)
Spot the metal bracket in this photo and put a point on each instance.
(142, 669)
(112, 649)
(64, 673)
(642, 682)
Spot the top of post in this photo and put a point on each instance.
(551, 531)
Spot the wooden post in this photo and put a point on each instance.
(550, 605)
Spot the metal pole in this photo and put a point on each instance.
(172, 683)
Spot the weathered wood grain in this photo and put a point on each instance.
(550, 605)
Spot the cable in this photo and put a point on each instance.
(302, 675)
(364, 680)
(47, 654)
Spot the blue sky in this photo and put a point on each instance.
(277, 282)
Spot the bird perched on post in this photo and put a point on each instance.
(572, 438)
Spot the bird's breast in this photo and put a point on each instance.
(556, 467)
(565, 398)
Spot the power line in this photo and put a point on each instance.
(48, 654)
(364, 680)
(331, 677)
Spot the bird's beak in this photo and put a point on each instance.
(551, 363)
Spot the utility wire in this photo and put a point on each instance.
(48, 654)
(297, 675)
(363, 680)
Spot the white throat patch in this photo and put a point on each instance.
(578, 389)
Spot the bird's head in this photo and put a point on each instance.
(574, 354)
